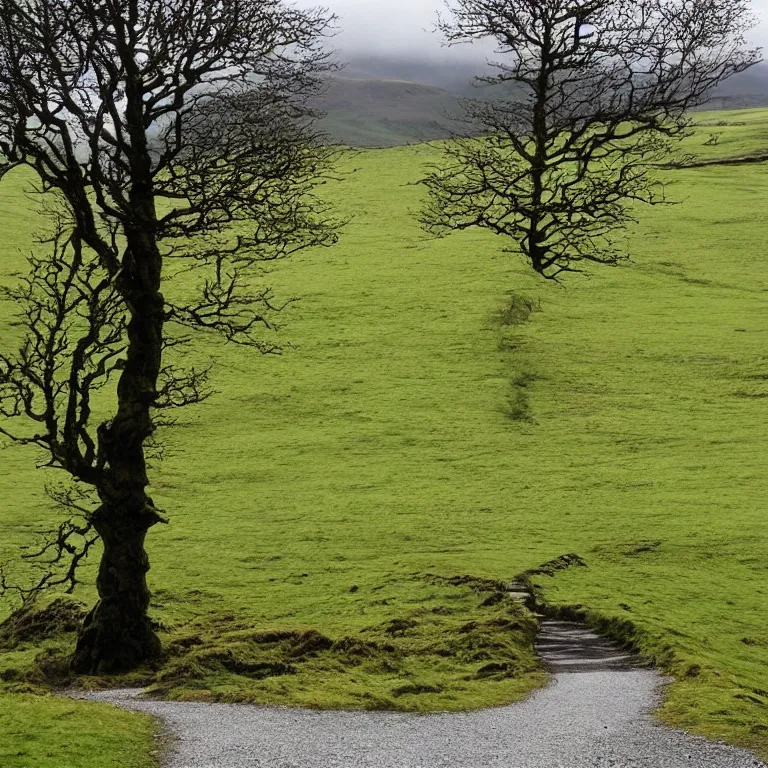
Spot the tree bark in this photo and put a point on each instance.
(117, 634)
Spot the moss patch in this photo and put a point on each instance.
(33, 624)
(434, 657)
(459, 641)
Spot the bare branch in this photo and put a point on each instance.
(74, 336)
(60, 553)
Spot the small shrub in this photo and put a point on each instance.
(519, 405)
(518, 310)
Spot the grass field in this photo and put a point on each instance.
(323, 502)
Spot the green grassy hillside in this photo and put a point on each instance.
(418, 431)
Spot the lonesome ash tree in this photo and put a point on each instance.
(178, 155)
(596, 93)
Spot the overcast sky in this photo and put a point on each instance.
(398, 26)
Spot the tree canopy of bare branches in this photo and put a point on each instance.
(173, 139)
(596, 93)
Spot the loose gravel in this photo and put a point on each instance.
(595, 714)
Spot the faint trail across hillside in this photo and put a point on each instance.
(595, 714)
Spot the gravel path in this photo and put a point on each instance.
(595, 714)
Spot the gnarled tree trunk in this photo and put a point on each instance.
(117, 634)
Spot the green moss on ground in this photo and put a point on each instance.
(463, 643)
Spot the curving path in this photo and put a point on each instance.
(595, 714)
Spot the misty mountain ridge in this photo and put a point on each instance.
(383, 101)
(364, 112)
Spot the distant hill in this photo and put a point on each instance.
(749, 89)
(456, 75)
(386, 113)
(384, 102)
(453, 75)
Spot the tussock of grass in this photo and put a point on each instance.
(434, 658)
(519, 404)
(518, 310)
(33, 624)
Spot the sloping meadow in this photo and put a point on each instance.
(344, 517)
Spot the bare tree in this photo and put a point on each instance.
(178, 155)
(596, 93)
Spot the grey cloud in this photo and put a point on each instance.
(760, 33)
(406, 26)
(400, 27)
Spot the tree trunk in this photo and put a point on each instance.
(117, 634)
